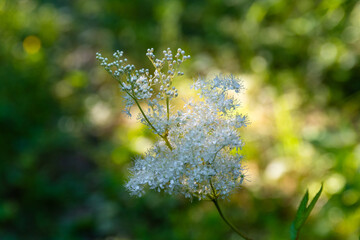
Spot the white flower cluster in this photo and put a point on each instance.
(205, 158)
(199, 153)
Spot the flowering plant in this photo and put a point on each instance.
(198, 153)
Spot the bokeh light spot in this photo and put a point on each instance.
(335, 183)
(350, 197)
(2, 6)
(328, 52)
(335, 215)
(258, 64)
(275, 170)
(141, 144)
(100, 113)
(32, 44)
(77, 79)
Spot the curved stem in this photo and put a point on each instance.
(214, 198)
(167, 108)
(227, 221)
(146, 119)
(164, 137)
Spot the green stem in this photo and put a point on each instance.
(167, 108)
(214, 198)
(164, 137)
(146, 119)
(226, 221)
(167, 142)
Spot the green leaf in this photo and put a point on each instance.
(313, 202)
(301, 210)
(303, 213)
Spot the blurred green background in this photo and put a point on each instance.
(65, 145)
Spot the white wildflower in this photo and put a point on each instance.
(198, 154)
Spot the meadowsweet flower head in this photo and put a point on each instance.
(198, 154)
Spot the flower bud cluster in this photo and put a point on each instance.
(140, 84)
(166, 69)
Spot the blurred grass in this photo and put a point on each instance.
(65, 145)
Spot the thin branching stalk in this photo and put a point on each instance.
(164, 137)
